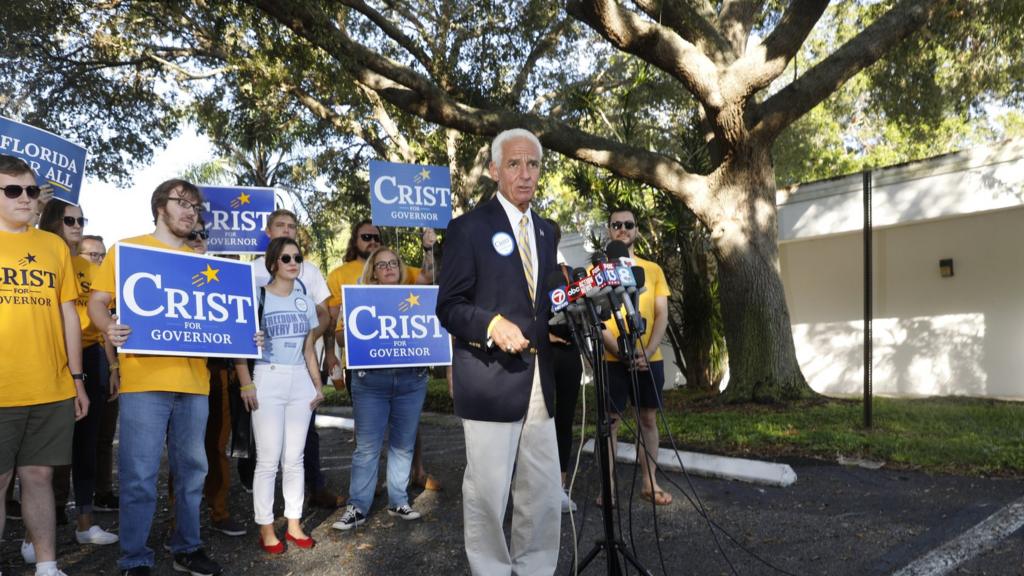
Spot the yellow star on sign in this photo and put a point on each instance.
(211, 274)
(243, 198)
(413, 300)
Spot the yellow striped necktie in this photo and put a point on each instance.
(525, 254)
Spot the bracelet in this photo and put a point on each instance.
(115, 366)
(249, 387)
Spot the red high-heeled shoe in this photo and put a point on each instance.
(304, 543)
(273, 548)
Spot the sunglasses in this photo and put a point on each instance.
(370, 238)
(197, 234)
(287, 258)
(382, 265)
(627, 224)
(71, 220)
(13, 191)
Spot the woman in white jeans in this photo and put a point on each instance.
(287, 389)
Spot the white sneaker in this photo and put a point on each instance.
(28, 552)
(54, 572)
(567, 504)
(96, 535)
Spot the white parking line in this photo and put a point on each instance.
(983, 537)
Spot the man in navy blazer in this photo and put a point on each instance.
(492, 301)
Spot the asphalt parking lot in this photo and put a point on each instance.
(834, 520)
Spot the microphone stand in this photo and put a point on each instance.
(609, 544)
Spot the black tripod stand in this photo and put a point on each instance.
(610, 545)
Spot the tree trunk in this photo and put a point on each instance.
(762, 357)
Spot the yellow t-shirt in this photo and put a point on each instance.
(150, 373)
(654, 280)
(349, 273)
(36, 277)
(85, 271)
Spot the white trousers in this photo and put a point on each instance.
(522, 455)
(279, 426)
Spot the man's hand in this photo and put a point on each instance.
(81, 401)
(115, 385)
(640, 360)
(508, 337)
(117, 333)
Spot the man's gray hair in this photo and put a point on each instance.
(510, 134)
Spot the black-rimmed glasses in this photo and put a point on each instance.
(13, 191)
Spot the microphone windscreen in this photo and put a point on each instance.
(553, 280)
(616, 249)
(598, 257)
(578, 274)
(638, 275)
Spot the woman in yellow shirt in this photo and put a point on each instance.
(67, 222)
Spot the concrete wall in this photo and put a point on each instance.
(932, 335)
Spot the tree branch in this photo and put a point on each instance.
(765, 62)
(341, 123)
(392, 32)
(653, 43)
(736, 20)
(415, 94)
(693, 21)
(546, 42)
(861, 51)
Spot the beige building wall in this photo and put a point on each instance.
(962, 335)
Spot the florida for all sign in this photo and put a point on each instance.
(181, 304)
(236, 218)
(410, 195)
(393, 327)
(57, 162)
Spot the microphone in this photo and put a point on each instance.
(639, 277)
(565, 312)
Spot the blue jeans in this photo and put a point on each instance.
(147, 419)
(385, 400)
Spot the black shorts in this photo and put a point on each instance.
(649, 384)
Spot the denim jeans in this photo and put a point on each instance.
(147, 419)
(385, 400)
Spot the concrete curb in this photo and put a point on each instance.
(753, 471)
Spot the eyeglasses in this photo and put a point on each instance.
(627, 224)
(287, 258)
(197, 234)
(94, 255)
(13, 191)
(71, 220)
(384, 265)
(370, 238)
(198, 208)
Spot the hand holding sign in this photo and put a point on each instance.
(117, 333)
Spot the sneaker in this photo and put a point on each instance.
(107, 503)
(405, 512)
(96, 535)
(196, 563)
(51, 572)
(567, 504)
(228, 526)
(351, 518)
(13, 510)
(28, 552)
(136, 571)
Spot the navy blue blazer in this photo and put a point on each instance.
(476, 283)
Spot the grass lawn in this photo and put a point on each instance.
(955, 435)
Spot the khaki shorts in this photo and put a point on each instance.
(38, 435)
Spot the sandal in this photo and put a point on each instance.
(659, 497)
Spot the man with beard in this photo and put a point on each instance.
(162, 397)
(647, 366)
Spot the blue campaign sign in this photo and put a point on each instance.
(393, 327)
(56, 161)
(236, 218)
(181, 304)
(410, 195)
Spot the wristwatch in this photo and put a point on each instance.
(79, 376)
